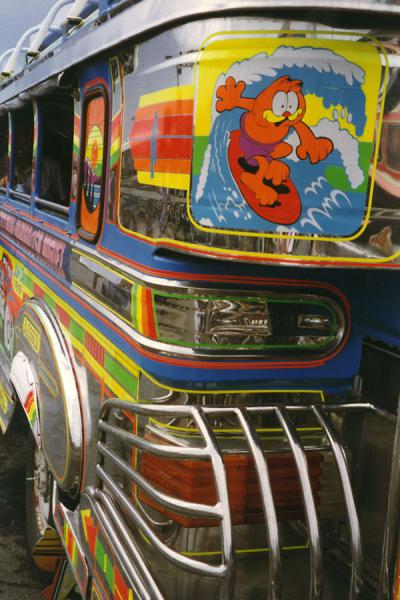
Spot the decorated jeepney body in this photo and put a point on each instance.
(199, 296)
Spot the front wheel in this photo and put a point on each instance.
(38, 494)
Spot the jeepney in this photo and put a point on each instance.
(199, 296)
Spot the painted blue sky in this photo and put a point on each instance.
(17, 16)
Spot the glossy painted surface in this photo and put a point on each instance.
(119, 295)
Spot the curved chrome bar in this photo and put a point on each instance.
(146, 446)
(45, 25)
(174, 504)
(390, 540)
(221, 487)
(78, 7)
(108, 525)
(271, 521)
(12, 61)
(180, 560)
(316, 581)
(4, 56)
(354, 525)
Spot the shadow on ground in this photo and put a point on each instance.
(19, 578)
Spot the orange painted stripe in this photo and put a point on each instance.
(163, 166)
(116, 124)
(166, 109)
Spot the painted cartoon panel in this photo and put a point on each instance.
(284, 135)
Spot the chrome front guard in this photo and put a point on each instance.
(116, 512)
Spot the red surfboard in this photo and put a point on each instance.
(285, 210)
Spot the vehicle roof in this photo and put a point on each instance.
(113, 22)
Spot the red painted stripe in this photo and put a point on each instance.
(149, 325)
(141, 149)
(37, 291)
(29, 401)
(94, 348)
(174, 148)
(63, 316)
(121, 589)
(142, 129)
(173, 165)
(215, 365)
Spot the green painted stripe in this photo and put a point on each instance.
(114, 157)
(121, 375)
(50, 302)
(28, 282)
(134, 305)
(99, 553)
(77, 331)
(200, 146)
(109, 572)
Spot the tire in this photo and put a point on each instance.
(38, 494)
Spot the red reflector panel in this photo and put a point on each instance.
(193, 481)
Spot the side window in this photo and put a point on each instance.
(93, 164)
(4, 160)
(56, 127)
(22, 151)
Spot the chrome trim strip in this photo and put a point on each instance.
(387, 573)
(58, 208)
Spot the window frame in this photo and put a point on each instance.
(93, 92)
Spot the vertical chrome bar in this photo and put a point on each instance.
(391, 536)
(316, 570)
(271, 521)
(221, 487)
(354, 525)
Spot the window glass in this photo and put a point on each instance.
(92, 188)
(55, 161)
(393, 147)
(22, 124)
(4, 160)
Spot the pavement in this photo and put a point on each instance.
(19, 578)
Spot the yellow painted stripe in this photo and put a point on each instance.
(99, 337)
(176, 181)
(232, 430)
(182, 92)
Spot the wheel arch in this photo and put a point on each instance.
(43, 376)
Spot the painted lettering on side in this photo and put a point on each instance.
(32, 334)
(43, 245)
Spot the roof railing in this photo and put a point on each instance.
(79, 10)
(46, 27)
